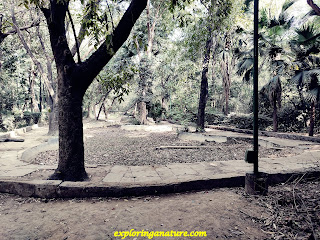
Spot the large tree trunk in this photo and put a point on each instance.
(312, 118)
(204, 83)
(71, 149)
(142, 112)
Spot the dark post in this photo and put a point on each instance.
(255, 86)
(256, 182)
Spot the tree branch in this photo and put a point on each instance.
(314, 6)
(55, 17)
(13, 30)
(81, 35)
(112, 43)
(74, 34)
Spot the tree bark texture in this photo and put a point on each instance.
(204, 83)
(75, 78)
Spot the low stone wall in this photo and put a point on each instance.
(19, 131)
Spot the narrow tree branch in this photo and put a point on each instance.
(314, 6)
(74, 34)
(112, 43)
(110, 15)
(13, 30)
(81, 35)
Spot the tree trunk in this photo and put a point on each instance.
(225, 68)
(204, 83)
(71, 149)
(142, 112)
(33, 102)
(274, 116)
(1, 121)
(312, 118)
(144, 70)
(91, 110)
(53, 116)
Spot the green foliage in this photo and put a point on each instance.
(97, 21)
(30, 118)
(156, 111)
(245, 121)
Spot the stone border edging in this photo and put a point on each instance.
(18, 131)
(267, 134)
(31, 153)
(49, 189)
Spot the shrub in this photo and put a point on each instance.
(245, 121)
(8, 123)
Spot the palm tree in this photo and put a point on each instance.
(273, 92)
(273, 30)
(307, 67)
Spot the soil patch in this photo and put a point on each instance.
(290, 211)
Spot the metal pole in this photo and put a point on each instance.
(255, 86)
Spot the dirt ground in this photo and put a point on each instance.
(290, 211)
(114, 146)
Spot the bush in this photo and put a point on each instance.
(214, 118)
(31, 118)
(292, 120)
(155, 111)
(8, 123)
(245, 121)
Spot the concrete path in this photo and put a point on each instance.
(115, 181)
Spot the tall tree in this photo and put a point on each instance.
(273, 92)
(47, 75)
(307, 67)
(75, 77)
(144, 51)
(216, 18)
(204, 82)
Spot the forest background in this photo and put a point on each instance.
(175, 62)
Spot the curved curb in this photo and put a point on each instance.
(267, 134)
(58, 189)
(30, 153)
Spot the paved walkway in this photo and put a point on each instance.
(140, 180)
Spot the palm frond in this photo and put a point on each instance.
(244, 65)
(287, 4)
(247, 5)
(312, 95)
(297, 79)
(305, 32)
